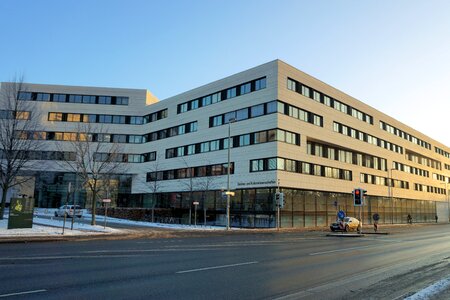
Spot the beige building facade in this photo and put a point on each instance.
(287, 129)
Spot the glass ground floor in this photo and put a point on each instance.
(254, 208)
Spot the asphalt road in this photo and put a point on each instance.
(236, 265)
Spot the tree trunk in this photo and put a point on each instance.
(93, 207)
(2, 209)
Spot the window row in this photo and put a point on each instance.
(42, 155)
(423, 160)
(409, 169)
(289, 165)
(125, 157)
(229, 93)
(253, 138)
(18, 115)
(265, 109)
(298, 113)
(347, 156)
(320, 97)
(379, 180)
(440, 177)
(429, 189)
(442, 152)
(400, 133)
(70, 98)
(109, 119)
(362, 136)
(108, 137)
(191, 172)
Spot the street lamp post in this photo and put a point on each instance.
(232, 120)
(447, 198)
(390, 193)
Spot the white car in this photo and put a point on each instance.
(69, 211)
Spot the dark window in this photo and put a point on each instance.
(59, 98)
(260, 84)
(89, 99)
(229, 116)
(25, 96)
(231, 93)
(104, 100)
(257, 110)
(75, 98)
(42, 97)
(242, 114)
(246, 88)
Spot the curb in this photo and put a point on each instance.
(59, 238)
(346, 234)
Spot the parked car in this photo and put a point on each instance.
(347, 224)
(336, 226)
(69, 211)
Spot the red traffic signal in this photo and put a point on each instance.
(357, 197)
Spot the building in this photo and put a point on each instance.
(288, 130)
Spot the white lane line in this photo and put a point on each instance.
(339, 250)
(146, 250)
(432, 290)
(22, 293)
(217, 267)
(62, 257)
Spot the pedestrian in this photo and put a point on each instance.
(436, 217)
(409, 219)
(376, 218)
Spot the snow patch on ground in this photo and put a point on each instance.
(53, 227)
(431, 291)
(101, 219)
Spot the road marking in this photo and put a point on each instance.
(339, 250)
(22, 293)
(61, 257)
(217, 267)
(146, 250)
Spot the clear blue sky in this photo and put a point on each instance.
(393, 55)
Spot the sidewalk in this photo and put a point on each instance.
(46, 227)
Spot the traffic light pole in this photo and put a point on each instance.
(278, 206)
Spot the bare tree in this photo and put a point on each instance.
(189, 184)
(156, 183)
(205, 184)
(18, 119)
(96, 161)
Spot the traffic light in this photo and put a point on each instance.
(357, 197)
(279, 199)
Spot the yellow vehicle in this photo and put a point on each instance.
(351, 224)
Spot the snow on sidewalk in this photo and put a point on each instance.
(44, 227)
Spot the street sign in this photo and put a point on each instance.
(376, 217)
(196, 203)
(341, 214)
(106, 200)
